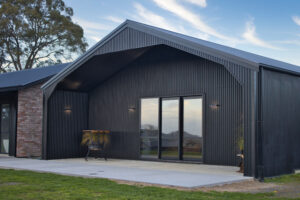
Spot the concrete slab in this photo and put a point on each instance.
(162, 173)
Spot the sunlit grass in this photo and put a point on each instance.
(291, 178)
(32, 185)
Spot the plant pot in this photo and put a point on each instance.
(241, 164)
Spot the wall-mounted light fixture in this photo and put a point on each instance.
(214, 106)
(68, 109)
(131, 108)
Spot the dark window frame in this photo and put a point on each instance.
(203, 122)
(181, 99)
(140, 123)
(9, 125)
(179, 128)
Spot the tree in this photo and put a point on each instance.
(37, 32)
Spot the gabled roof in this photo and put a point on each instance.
(211, 48)
(15, 80)
(259, 60)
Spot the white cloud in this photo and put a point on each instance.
(88, 25)
(92, 30)
(288, 42)
(95, 38)
(250, 36)
(148, 17)
(174, 7)
(202, 36)
(115, 19)
(201, 3)
(296, 19)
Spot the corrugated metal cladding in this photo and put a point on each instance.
(67, 117)
(281, 123)
(130, 38)
(165, 72)
(237, 93)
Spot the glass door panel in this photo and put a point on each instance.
(170, 129)
(192, 128)
(5, 128)
(149, 127)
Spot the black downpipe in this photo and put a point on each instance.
(159, 128)
(44, 127)
(259, 172)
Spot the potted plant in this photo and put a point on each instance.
(95, 140)
(240, 143)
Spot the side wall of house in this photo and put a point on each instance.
(29, 122)
(131, 38)
(67, 117)
(281, 123)
(163, 73)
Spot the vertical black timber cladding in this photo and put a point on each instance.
(281, 127)
(67, 117)
(168, 72)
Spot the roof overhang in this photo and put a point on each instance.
(99, 68)
(20, 87)
(50, 85)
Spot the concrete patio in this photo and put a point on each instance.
(161, 173)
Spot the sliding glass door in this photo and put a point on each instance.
(5, 128)
(149, 127)
(172, 128)
(192, 128)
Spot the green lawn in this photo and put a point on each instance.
(31, 185)
(292, 178)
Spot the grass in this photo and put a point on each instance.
(16, 184)
(291, 178)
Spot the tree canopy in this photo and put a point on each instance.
(37, 32)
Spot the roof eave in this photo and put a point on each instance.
(83, 57)
(135, 25)
(274, 68)
(212, 51)
(20, 87)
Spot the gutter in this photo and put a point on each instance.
(28, 85)
(281, 70)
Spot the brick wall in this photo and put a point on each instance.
(29, 122)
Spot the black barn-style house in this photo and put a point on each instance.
(168, 96)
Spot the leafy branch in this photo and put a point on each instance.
(37, 31)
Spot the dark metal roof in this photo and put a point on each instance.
(224, 52)
(15, 80)
(260, 60)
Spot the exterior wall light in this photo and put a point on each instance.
(131, 108)
(214, 106)
(67, 110)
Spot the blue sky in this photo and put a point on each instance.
(270, 27)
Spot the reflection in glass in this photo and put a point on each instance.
(170, 131)
(4, 134)
(149, 127)
(192, 134)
